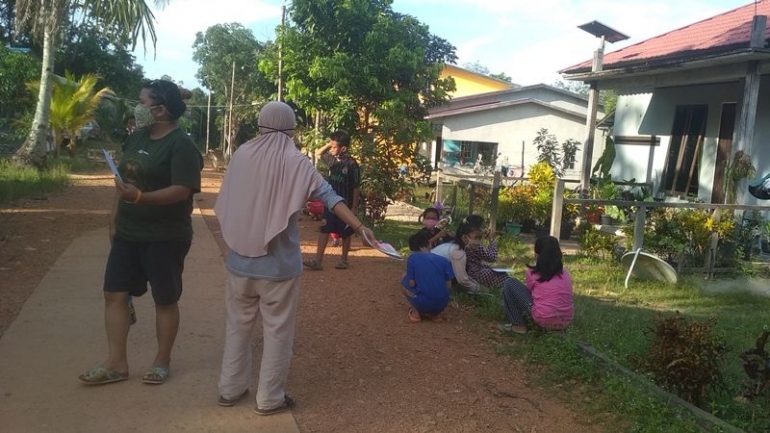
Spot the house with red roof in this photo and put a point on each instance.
(688, 101)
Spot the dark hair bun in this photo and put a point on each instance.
(184, 93)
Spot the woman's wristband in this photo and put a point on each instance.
(138, 196)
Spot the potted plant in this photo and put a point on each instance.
(517, 206)
(569, 216)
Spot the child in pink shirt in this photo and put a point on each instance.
(548, 297)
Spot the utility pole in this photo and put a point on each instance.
(280, 55)
(208, 123)
(605, 34)
(230, 116)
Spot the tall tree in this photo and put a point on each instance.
(372, 71)
(132, 18)
(87, 49)
(478, 68)
(228, 55)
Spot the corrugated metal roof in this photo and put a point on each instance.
(724, 32)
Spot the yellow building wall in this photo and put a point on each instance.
(470, 83)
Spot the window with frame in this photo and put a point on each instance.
(680, 174)
(467, 151)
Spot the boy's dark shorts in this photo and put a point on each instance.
(131, 265)
(335, 225)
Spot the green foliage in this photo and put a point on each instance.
(738, 169)
(684, 356)
(19, 182)
(542, 177)
(593, 242)
(73, 104)
(684, 235)
(516, 204)
(756, 364)
(371, 71)
(569, 151)
(548, 148)
(604, 163)
(88, 49)
(229, 55)
(14, 70)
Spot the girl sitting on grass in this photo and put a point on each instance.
(548, 298)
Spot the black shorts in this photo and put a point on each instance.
(333, 224)
(131, 265)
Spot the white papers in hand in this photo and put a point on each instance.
(112, 165)
(382, 247)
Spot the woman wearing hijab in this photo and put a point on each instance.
(268, 182)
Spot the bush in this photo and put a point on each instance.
(594, 243)
(756, 364)
(683, 356)
(676, 235)
(516, 203)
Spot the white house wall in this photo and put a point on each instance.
(653, 114)
(514, 125)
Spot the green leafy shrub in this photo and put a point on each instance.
(756, 364)
(593, 242)
(683, 356)
(676, 235)
(516, 202)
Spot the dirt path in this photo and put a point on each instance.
(359, 365)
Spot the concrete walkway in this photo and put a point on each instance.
(60, 333)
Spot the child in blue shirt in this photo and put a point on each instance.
(427, 280)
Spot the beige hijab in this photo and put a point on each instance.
(267, 181)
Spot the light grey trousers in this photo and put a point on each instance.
(246, 300)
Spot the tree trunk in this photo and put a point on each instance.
(35, 148)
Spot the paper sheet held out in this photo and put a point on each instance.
(383, 247)
(112, 165)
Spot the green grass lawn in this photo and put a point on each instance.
(613, 320)
(22, 182)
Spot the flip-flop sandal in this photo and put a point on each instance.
(288, 404)
(226, 402)
(101, 376)
(155, 375)
(312, 265)
(414, 316)
(341, 265)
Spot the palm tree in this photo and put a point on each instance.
(45, 18)
(73, 104)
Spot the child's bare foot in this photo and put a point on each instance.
(435, 318)
(414, 316)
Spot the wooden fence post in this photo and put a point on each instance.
(454, 196)
(556, 210)
(639, 223)
(493, 207)
(472, 198)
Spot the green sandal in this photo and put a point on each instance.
(155, 375)
(313, 265)
(101, 376)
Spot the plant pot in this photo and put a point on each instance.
(541, 232)
(527, 226)
(606, 220)
(513, 228)
(566, 232)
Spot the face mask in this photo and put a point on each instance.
(143, 116)
(429, 223)
(470, 242)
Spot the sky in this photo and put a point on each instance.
(530, 41)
